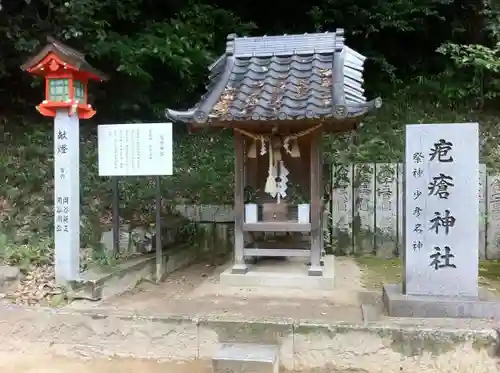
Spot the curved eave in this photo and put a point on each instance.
(180, 116)
(357, 110)
(339, 113)
(199, 113)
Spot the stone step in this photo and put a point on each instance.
(246, 357)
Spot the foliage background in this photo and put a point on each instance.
(430, 60)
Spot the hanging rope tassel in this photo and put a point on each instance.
(252, 151)
(295, 151)
(262, 145)
(271, 178)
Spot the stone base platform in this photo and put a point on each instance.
(398, 304)
(246, 357)
(292, 273)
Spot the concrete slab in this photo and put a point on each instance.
(292, 273)
(398, 304)
(246, 357)
(99, 284)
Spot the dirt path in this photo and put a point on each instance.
(47, 363)
(38, 362)
(196, 290)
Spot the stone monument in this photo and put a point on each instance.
(66, 74)
(441, 225)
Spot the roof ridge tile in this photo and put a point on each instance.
(285, 45)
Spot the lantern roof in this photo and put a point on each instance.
(67, 55)
(282, 78)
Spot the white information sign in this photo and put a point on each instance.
(135, 149)
(442, 209)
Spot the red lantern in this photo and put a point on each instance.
(66, 76)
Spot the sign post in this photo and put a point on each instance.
(137, 149)
(66, 75)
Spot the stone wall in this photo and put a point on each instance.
(374, 347)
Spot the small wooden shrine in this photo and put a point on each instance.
(279, 94)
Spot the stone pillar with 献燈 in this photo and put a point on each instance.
(66, 74)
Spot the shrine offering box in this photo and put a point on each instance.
(275, 211)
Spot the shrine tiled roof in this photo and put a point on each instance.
(283, 78)
(67, 54)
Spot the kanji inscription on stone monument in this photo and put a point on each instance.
(441, 209)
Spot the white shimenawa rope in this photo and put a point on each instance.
(272, 187)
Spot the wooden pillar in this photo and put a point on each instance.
(239, 265)
(316, 205)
